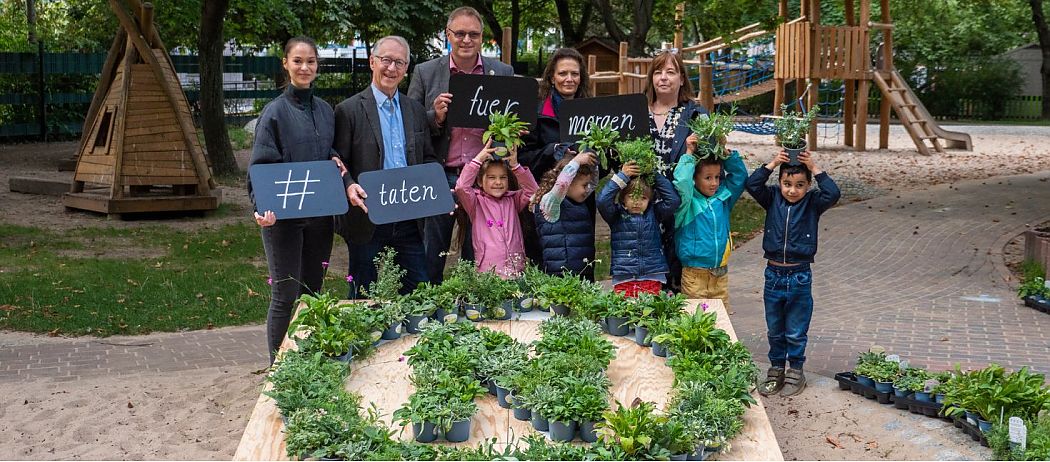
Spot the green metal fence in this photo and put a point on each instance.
(34, 105)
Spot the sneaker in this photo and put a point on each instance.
(773, 383)
(794, 382)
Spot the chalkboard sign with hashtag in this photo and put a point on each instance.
(298, 189)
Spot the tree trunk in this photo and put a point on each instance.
(213, 119)
(614, 30)
(1044, 43)
(643, 21)
(573, 34)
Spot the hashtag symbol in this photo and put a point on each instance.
(302, 195)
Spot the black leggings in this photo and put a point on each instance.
(295, 249)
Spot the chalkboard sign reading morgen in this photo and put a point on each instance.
(406, 193)
(298, 189)
(627, 114)
(474, 97)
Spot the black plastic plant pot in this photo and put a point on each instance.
(424, 432)
(539, 422)
(525, 304)
(521, 413)
(587, 432)
(640, 333)
(984, 426)
(1042, 304)
(900, 392)
(473, 312)
(618, 326)
(459, 432)
(884, 387)
(659, 350)
(794, 152)
(697, 454)
(866, 381)
(923, 397)
(343, 358)
(504, 311)
(560, 310)
(541, 306)
(501, 397)
(562, 431)
(682, 456)
(1029, 301)
(971, 417)
(413, 323)
(491, 386)
(501, 149)
(393, 332)
(938, 398)
(439, 315)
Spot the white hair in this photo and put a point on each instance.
(397, 38)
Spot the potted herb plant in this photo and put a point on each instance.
(640, 151)
(591, 401)
(632, 429)
(505, 132)
(711, 132)
(599, 139)
(791, 130)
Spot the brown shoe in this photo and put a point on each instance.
(773, 383)
(794, 382)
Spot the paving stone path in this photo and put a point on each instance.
(918, 272)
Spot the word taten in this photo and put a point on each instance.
(619, 123)
(482, 107)
(407, 195)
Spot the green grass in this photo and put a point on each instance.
(195, 280)
(745, 221)
(239, 138)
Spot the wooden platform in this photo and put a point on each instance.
(154, 203)
(383, 379)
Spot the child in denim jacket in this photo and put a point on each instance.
(789, 243)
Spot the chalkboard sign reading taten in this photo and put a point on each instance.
(628, 115)
(407, 193)
(474, 97)
(298, 189)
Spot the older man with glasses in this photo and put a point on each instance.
(454, 146)
(379, 129)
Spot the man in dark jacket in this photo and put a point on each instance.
(789, 243)
(377, 129)
(455, 147)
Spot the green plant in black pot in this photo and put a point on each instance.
(791, 130)
(387, 285)
(634, 429)
(505, 131)
(711, 132)
(599, 140)
(640, 151)
(693, 333)
(302, 379)
(324, 324)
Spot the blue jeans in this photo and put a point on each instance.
(788, 297)
(437, 231)
(404, 238)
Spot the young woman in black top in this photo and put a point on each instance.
(295, 127)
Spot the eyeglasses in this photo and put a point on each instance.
(386, 62)
(462, 34)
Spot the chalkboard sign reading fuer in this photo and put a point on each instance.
(474, 97)
(628, 115)
(298, 189)
(407, 193)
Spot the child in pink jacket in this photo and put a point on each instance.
(487, 190)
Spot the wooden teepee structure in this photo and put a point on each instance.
(139, 151)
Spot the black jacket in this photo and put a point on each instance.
(568, 244)
(294, 127)
(359, 143)
(791, 229)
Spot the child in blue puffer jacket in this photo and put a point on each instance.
(709, 189)
(789, 243)
(634, 211)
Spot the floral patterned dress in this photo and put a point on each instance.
(663, 137)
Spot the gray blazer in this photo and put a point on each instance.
(359, 143)
(429, 80)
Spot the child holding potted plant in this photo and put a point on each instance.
(487, 190)
(634, 203)
(789, 243)
(710, 179)
(564, 220)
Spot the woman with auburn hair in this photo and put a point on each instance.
(671, 104)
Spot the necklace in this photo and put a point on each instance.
(660, 113)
